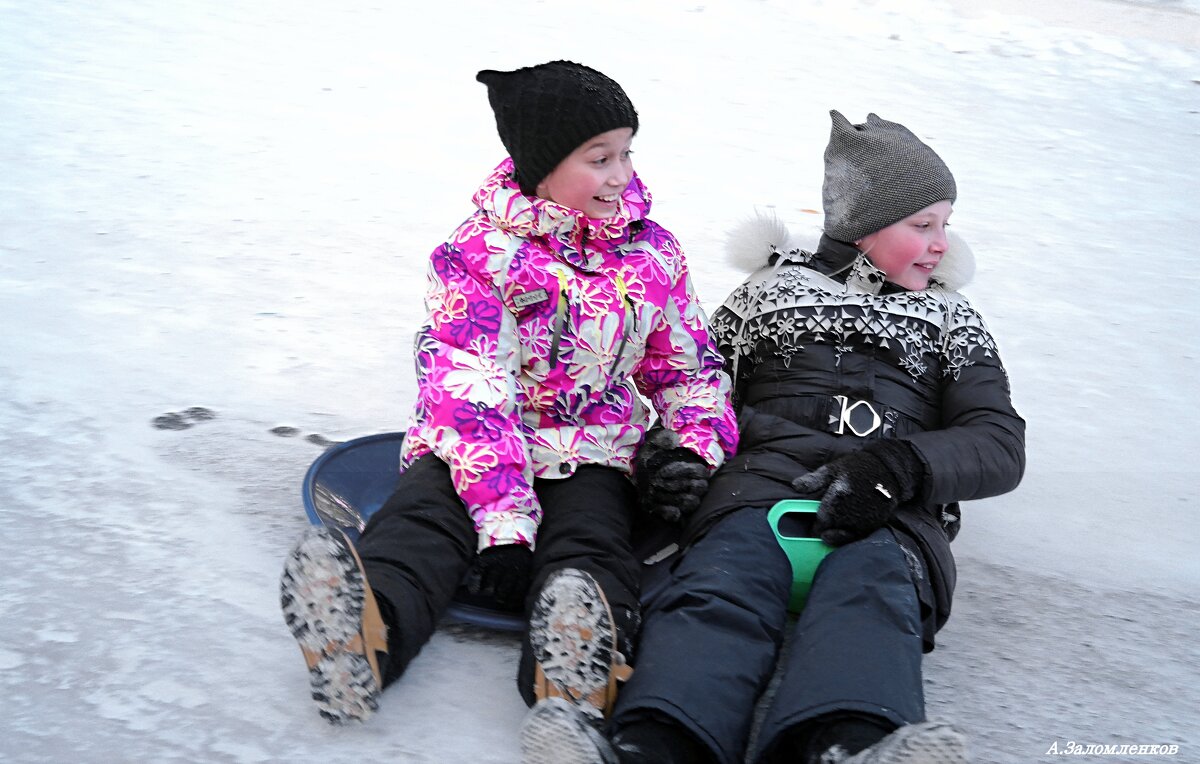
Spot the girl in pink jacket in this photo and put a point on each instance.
(553, 312)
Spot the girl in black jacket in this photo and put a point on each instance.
(862, 379)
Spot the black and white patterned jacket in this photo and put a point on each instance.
(826, 355)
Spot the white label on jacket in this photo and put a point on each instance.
(529, 298)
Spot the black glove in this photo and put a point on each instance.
(502, 573)
(860, 491)
(671, 480)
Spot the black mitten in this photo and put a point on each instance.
(502, 573)
(859, 492)
(671, 480)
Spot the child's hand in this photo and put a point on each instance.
(502, 573)
(671, 480)
(860, 491)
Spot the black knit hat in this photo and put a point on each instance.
(545, 112)
(877, 173)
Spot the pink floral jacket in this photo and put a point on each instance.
(544, 329)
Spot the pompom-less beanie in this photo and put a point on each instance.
(877, 173)
(545, 112)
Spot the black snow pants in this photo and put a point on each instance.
(711, 638)
(417, 548)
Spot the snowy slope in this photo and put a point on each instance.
(230, 206)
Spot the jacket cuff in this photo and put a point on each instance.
(507, 527)
(706, 446)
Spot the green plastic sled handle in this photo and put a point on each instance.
(804, 551)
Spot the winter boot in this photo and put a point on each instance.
(332, 613)
(924, 743)
(573, 638)
(556, 731)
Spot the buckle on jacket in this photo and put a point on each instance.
(847, 418)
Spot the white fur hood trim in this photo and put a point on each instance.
(750, 243)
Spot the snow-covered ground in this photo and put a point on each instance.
(231, 205)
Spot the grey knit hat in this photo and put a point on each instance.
(877, 173)
(545, 112)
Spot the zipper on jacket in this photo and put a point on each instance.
(630, 319)
(561, 311)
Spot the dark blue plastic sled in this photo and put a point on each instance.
(351, 480)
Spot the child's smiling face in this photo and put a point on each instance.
(908, 250)
(593, 176)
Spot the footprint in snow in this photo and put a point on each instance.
(181, 420)
(285, 431)
(322, 441)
